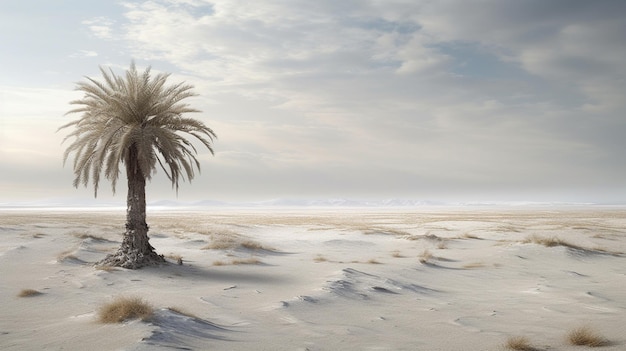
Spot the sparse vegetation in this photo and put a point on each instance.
(125, 308)
(250, 260)
(105, 268)
(384, 231)
(519, 343)
(232, 242)
(432, 237)
(254, 246)
(396, 254)
(585, 336)
(320, 258)
(425, 256)
(555, 241)
(547, 242)
(85, 235)
(237, 261)
(28, 293)
(474, 265)
(177, 258)
(221, 242)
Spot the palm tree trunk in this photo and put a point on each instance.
(136, 250)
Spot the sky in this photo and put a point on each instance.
(451, 100)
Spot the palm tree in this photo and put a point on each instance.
(136, 120)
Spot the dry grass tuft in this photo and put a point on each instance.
(232, 242)
(237, 261)
(83, 236)
(474, 265)
(251, 245)
(585, 336)
(385, 231)
(221, 243)
(251, 260)
(425, 256)
(177, 258)
(125, 308)
(396, 254)
(432, 237)
(255, 246)
(106, 268)
(547, 242)
(29, 293)
(373, 261)
(320, 258)
(554, 241)
(223, 240)
(519, 343)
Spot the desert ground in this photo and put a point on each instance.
(432, 278)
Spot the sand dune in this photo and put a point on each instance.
(403, 279)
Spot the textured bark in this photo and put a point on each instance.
(135, 251)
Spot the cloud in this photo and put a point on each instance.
(392, 87)
(564, 42)
(240, 44)
(390, 97)
(101, 27)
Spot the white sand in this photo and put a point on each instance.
(323, 279)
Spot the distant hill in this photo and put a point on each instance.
(299, 203)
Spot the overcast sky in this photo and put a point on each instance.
(428, 100)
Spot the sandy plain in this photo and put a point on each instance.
(319, 279)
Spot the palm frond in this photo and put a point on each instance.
(133, 111)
